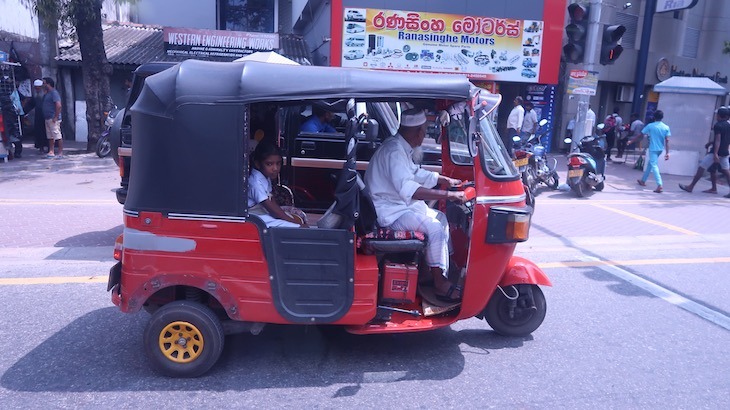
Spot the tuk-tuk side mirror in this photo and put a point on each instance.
(543, 122)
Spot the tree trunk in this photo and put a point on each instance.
(95, 69)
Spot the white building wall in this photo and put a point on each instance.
(18, 18)
(200, 14)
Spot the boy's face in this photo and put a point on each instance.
(271, 166)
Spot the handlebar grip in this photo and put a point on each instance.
(470, 193)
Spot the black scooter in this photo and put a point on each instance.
(587, 165)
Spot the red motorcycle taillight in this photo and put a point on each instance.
(119, 247)
(577, 161)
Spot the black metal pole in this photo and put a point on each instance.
(640, 76)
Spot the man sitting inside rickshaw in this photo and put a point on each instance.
(398, 188)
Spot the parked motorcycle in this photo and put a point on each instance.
(104, 146)
(545, 170)
(537, 169)
(522, 159)
(586, 165)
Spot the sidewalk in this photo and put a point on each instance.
(621, 183)
(31, 155)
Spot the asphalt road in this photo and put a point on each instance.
(638, 316)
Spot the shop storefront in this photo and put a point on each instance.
(508, 48)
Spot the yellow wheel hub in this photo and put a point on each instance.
(181, 342)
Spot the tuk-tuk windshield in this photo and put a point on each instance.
(494, 157)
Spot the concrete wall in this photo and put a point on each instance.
(18, 18)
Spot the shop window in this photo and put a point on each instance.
(247, 15)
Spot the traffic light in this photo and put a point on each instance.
(610, 48)
(576, 32)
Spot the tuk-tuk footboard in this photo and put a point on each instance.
(311, 273)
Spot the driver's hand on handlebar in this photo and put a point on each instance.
(453, 182)
(457, 196)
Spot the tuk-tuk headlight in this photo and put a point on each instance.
(508, 224)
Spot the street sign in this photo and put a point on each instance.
(673, 5)
(582, 82)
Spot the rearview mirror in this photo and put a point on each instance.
(351, 108)
(543, 122)
(371, 130)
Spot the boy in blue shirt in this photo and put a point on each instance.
(658, 134)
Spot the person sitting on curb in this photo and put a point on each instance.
(718, 154)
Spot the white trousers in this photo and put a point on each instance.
(434, 224)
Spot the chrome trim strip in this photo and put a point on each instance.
(131, 213)
(217, 218)
(501, 199)
(339, 163)
(124, 151)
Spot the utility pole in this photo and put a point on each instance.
(581, 128)
(640, 75)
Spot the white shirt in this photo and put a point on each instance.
(259, 188)
(392, 178)
(516, 117)
(529, 124)
(590, 122)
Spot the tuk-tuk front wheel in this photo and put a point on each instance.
(183, 339)
(516, 310)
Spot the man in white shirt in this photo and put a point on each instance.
(514, 122)
(398, 188)
(529, 124)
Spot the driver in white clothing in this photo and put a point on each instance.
(398, 188)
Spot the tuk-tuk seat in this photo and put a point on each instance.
(385, 240)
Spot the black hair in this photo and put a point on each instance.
(615, 110)
(318, 111)
(658, 115)
(263, 150)
(635, 115)
(49, 81)
(519, 99)
(529, 104)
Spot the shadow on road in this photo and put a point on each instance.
(103, 351)
(90, 239)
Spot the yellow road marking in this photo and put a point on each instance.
(57, 202)
(633, 262)
(549, 201)
(647, 220)
(61, 280)
(53, 280)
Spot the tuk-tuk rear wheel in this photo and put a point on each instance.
(516, 317)
(183, 339)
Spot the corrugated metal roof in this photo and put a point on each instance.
(135, 44)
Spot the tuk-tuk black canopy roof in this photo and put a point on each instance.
(195, 81)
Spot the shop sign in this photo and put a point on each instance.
(483, 48)
(674, 5)
(195, 43)
(3, 56)
(582, 82)
(543, 102)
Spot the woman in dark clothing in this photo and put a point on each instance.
(39, 125)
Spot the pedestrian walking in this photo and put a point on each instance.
(658, 134)
(718, 153)
(52, 115)
(40, 140)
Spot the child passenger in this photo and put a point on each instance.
(266, 166)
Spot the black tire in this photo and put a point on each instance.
(553, 181)
(103, 146)
(195, 323)
(526, 320)
(599, 187)
(579, 188)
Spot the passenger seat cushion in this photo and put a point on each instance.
(389, 240)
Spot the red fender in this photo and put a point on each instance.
(522, 271)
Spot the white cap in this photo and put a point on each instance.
(413, 118)
(37, 83)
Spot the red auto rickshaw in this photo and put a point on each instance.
(192, 255)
